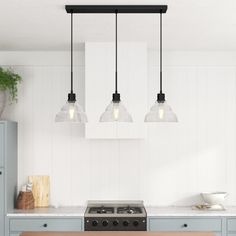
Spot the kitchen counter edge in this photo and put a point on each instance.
(152, 211)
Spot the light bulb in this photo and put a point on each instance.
(116, 112)
(161, 113)
(72, 111)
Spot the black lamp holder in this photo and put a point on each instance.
(71, 95)
(161, 96)
(93, 9)
(116, 95)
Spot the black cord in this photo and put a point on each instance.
(71, 52)
(161, 52)
(116, 54)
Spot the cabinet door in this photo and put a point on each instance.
(1, 144)
(39, 224)
(185, 224)
(1, 202)
(231, 225)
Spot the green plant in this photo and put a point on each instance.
(9, 81)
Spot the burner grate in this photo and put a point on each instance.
(101, 210)
(129, 210)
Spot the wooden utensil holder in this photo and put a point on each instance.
(25, 200)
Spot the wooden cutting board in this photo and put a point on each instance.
(41, 185)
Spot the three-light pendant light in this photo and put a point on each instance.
(116, 111)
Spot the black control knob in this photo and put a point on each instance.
(115, 222)
(94, 223)
(126, 223)
(45, 225)
(105, 223)
(185, 225)
(0, 172)
(135, 223)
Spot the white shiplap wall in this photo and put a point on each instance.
(170, 167)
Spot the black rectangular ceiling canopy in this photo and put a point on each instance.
(116, 8)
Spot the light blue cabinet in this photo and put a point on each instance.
(231, 226)
(1, 201)
(185, 224)
(1, 144)
(8, 170)
(18, 225)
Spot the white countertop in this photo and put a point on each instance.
(49, 212)
(187, 211)
(152, 211)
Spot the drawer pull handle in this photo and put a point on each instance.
(45, 225)
(185, 225)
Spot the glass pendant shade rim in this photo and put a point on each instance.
(161, 112)
(115, 112)
(71, 112)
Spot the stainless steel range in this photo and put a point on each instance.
(115, 216)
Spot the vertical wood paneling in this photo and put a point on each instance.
(42, 88)
(171, 166)
(61, 138)
(104, 169)
(129, 170)
(230, 128)
(212, 123)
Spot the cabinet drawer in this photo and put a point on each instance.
(231, 224)
(45, 224)
(185, 224)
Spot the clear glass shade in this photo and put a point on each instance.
(71, 112)
(116, 111)
(160, 112)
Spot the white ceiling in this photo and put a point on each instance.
(188, 24)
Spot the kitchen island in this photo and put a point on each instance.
(119, 233)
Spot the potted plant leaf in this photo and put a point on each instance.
(8, 85)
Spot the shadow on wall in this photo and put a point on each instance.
(190, 200)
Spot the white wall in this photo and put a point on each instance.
(170, 167)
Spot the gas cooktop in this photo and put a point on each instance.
(115, 216)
